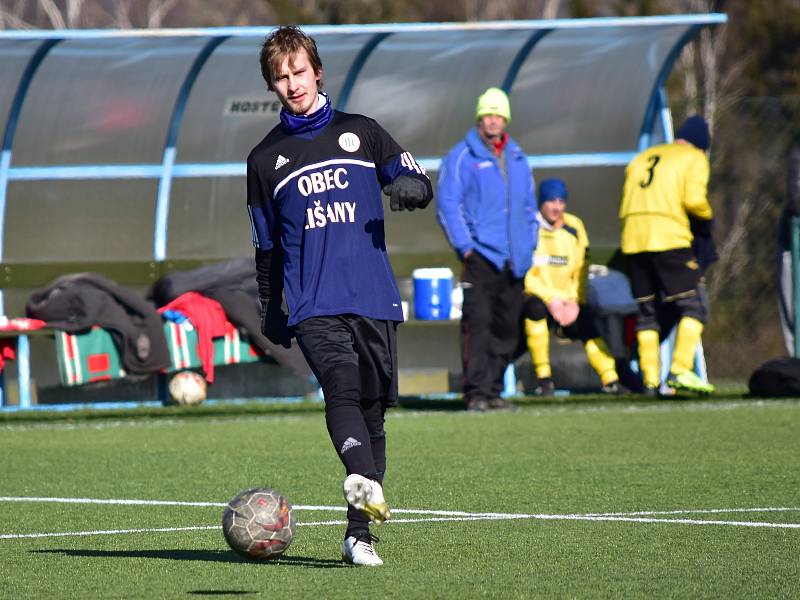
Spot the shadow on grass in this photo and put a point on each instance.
(431, 403)
(453, 403)
(220, 556)
(222, 592)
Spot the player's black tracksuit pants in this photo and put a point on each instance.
(355, 361)
(489, 326)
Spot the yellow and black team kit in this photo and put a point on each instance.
(559, 271)
(559, 262)
(665, 186)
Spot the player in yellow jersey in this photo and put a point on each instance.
(555, 288)
(665, 189)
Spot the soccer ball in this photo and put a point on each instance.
(258, 523)
(187, 388)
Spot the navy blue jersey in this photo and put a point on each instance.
(319, 199)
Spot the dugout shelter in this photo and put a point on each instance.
(123, 151)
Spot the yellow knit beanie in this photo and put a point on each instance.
(494, 101)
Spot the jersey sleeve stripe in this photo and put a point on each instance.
(252, 227)
(335, 161)
(410, 163)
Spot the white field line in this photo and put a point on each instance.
(117, 501)
(694, 511)
(434, 516)
(476, 517)
(681, 521)
(450, 513)
(17, 536)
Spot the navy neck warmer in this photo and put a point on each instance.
(307, 125)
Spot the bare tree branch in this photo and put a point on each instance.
(122, 17)
(550, 9)
(686, 62)
(74, 11)
(10, 20)
(53, 14)
(157, 10)
(732, 261)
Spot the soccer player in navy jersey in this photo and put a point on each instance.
(314, 197)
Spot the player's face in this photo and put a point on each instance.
(296, 83)
(553, 211)
(491, 126)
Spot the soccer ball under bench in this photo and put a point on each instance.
(258, 523)
(187, 388)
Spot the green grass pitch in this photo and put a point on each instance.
(589, 498)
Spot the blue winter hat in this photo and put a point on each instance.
(550, 189)
(695, 131)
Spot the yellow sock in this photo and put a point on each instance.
(647, 339)
(689, 333)
(601, 360)
(539, 345)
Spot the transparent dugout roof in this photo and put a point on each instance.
(422, 87)
(103, 101)
(583, 91)
(15, 57)
(208, 218)
(92, 220)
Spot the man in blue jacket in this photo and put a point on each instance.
(486, 205)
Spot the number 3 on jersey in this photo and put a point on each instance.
(653, 161)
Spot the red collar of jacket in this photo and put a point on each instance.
(500, 144)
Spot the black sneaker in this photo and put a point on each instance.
(544, 387)
(650, 391)
(499, 403)
(612, 388)
(477, 405)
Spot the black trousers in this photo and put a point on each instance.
(582, 329)
(489, 326)
(355, 361)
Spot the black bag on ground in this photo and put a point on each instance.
(777, 377)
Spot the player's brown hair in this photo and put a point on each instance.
(287, 41)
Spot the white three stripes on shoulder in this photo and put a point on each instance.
(334, 161)
(408, 161)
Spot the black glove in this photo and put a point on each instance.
(705, 251)
(407, 193)
(274, 325)
(700, 227)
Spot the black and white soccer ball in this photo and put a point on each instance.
(187, 388)
(259, 523)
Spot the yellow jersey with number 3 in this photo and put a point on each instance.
(663, 186)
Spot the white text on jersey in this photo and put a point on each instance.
(320, 165)
(335, 212)
(319, 182)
